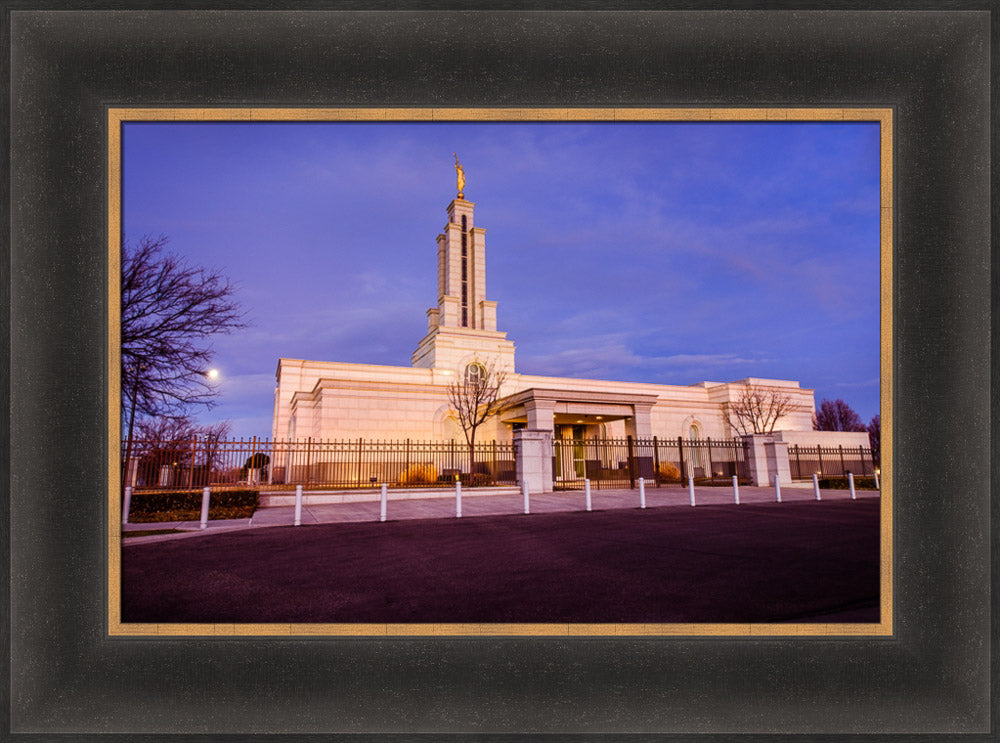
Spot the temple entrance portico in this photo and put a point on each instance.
(572, 416)
(569, 413)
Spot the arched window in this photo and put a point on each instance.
(475, 374)
(694, 435)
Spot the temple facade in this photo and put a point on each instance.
(338, 400)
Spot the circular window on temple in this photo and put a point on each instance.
(475, 374)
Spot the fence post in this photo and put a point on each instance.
(798, 463)
(630, 453)
(642, 492)
(711, 467)
(736, 489)
(361, 447)
(850, 481)
(204, 507)
(819, 454)
(383, 502)
(777, 486)
(586, 491)
(458, 499)
(691, 488)
(298, 505)
(680, 450)
(861, 460)
(127, 505)
(656, 462)
(840, 448)
(524, 489)
(194, 452)
(253, 461)
(816, 485)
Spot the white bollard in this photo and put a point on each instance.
(458, 499)
(298, 505)
(127, 505)
(850, 481)
(642, 492)
(777, 487)
(204, 507)
(383, 502)
(877, 486)
(736, 489)
(524, 489)
(586, 492)
(816, 485)
(691, 488)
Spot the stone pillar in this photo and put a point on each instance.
(757, 458)
(533, 457)
(765, 457)
(777, 461)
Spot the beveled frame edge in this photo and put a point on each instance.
(120, 115)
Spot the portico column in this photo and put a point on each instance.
(640, 425)
(541, 414)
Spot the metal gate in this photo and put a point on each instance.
(619, 463)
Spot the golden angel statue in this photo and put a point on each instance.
(461, 177)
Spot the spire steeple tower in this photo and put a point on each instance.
(464, 321)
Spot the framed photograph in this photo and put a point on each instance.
(82, 78)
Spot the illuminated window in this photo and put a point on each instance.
(475, 373)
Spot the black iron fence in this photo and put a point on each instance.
(354, 463)
(829, 461)
(619, 463)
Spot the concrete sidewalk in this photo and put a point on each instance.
(672, 496)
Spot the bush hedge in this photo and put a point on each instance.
(185, 505)
(720, 482)
(841, 483)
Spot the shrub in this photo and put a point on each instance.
(476, 480)
(668, 472)
(419, 474)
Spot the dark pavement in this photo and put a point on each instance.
(796, 561)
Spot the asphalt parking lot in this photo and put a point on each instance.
(799, 561)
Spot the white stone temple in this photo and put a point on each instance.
(338, 400)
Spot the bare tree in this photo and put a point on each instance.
(757, 409)
(837, 415)
(169, 310)
(475, 398)
(179, 443)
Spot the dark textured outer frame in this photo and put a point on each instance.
(932, 677)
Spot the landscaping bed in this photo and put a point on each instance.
(185, 505)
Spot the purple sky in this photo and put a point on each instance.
(666, 252)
